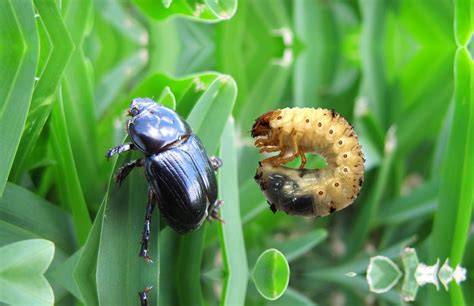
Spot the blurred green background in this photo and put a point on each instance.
(400, 71)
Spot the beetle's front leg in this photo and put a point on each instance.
(125, 170)
(213, 211)
(216, 162)
(120, 149)
(146, 228)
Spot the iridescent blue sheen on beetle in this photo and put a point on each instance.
(180, 175)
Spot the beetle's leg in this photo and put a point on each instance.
(125, 170)
(216, 162)
(144, 296)
(120, 149)
(146, 228)
(213, 211)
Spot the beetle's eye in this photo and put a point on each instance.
(134, 111)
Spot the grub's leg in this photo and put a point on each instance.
(120, 149)
(286, 160)
(274, 160)
(269, 149)
(125, 170)
(216, 162)
(144, 296)
(297, 150)
(263, 142)
(213, 211)
(146, 228)
(278, 160)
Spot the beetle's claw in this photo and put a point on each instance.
(118, 177)
(216, 162)
(215, 216)
(144, 296)
(111, 152)
(214, 212)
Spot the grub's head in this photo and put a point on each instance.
(261, 127)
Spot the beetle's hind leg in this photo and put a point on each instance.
(146, 227)
(213, 211)
(125, 170)
(120, 149)
(216, 162)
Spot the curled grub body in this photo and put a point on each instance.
(293, 132)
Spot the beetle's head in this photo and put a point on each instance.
(138, 105)
(261, 127)
(152, 126)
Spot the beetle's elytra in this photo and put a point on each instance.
(308, 192)
(180, 175)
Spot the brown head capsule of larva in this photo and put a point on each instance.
(293, 132)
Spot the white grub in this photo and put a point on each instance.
(297, 131)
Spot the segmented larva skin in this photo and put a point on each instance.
(294, 132)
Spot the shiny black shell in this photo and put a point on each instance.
(184, 183)
(177, 167)
(155, 127)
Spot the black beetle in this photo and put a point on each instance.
(180, 175)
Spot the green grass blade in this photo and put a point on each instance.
(273, 13)
(215, 105)
(292, 249)
(57, 56)
(167, 98)
(430, 22)
(115, 79)
(206, 11)
(268, 97)
(85, 271)
(231, 236)
(369, 210)
(431, 92)
(18, 60)
(456, 195)
(316, 66)
(63, 274)
(463, 21)
(416, 205)
(249, 208)
(78, 102)
(374, 82)
(119, 268)
(293, 298)
(169, 250)
(25, 210)
(67, 179)
(21, 272)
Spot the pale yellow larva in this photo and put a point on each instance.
(308, 192)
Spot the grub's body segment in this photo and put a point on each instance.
(294, 132)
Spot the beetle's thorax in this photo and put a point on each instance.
(157, 128)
